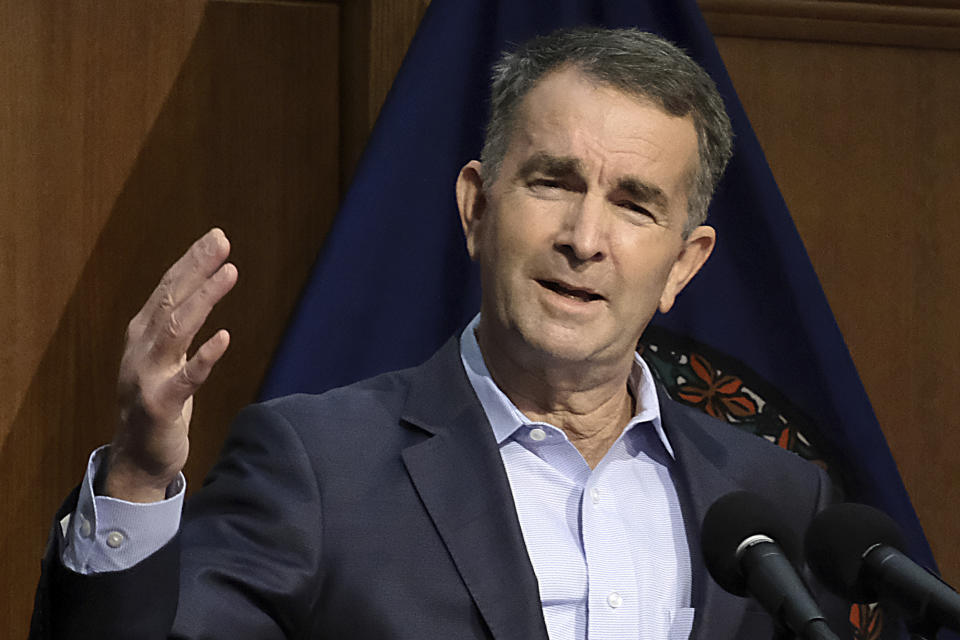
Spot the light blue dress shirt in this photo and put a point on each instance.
(608, 545)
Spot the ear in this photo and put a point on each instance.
(696, 249)
(472, 204)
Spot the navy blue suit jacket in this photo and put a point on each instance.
(382, 510)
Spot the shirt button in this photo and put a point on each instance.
(114, 539)
(614, 600)
(537, 434)
(595, 494)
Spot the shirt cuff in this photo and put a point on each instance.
(107, 534)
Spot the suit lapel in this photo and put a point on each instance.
(700, 480)
(460, 478)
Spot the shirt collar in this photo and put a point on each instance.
(505, 418)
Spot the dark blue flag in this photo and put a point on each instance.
(393, 280)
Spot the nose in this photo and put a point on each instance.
(582, 237)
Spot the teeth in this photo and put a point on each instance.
(576, 294)
(570, 293)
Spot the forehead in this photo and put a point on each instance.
(570, 114)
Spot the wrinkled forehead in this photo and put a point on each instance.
(569, 113)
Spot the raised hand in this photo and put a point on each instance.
(157, 380)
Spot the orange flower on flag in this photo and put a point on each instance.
(720, 396)
(867, 621)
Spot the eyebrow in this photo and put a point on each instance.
(561, 166)
(642, 191)
(550, 165)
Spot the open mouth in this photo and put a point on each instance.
(576, 294)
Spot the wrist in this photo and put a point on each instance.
(122, 479)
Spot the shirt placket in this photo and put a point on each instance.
(613, 607)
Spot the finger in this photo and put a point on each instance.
(182, 323)
(196, 370)
(187, 274)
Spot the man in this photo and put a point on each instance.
(528, 481)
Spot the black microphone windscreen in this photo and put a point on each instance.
(732, 519)
(837, 540)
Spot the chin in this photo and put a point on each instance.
(564, 344)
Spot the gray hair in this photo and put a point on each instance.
(629, 60)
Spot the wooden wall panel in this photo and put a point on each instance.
(70, 133)
(865, 146)
(126, 130)
(918, 24)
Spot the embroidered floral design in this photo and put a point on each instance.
(721, 396)
(867, 621)
(786, 438)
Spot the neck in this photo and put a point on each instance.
(590, 402)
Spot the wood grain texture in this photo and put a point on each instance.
(865, 147)
(128, 130)
(71, 131)
(925, 25)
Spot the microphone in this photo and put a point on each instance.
(749, 549)
(857, 551)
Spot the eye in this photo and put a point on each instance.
(633, 206)
(549, 188)
(547, 183)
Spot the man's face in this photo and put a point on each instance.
(580, 237)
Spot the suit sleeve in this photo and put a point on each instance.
(251, 539)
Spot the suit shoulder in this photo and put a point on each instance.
(740, 452)
(382, 393)
(364, 416)
(724, 430)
